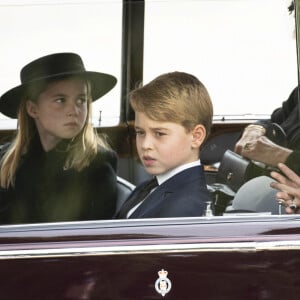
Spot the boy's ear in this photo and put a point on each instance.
(199, 134)
(31, 109)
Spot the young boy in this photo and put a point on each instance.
(173, 116)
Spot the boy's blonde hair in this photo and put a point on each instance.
(82, 149)
(176, 97)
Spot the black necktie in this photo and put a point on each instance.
(137, 198)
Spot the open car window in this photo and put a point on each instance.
(33, 28)
(243, 51)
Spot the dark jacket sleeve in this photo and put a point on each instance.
(282, 128)
(293, 161)
(281, 114)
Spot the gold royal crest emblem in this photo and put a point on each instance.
(163, 284)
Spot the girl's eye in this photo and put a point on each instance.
(81, 100)
(60, 100)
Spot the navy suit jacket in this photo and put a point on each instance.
(183, 195)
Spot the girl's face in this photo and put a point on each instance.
(60, 111)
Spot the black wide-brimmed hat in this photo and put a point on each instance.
(52, 66)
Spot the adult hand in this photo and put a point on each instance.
(250, 135)
(289, 188)
(265, 151)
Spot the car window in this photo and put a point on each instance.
(243, 51)
(33, 28)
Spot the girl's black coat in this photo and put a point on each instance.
(45, 192)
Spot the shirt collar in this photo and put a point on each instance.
(164, 177)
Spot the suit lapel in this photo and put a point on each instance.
(153, 200)
(166, 190)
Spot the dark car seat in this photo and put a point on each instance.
(124, 190)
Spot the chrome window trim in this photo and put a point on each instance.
(152, 249)
(121, 223)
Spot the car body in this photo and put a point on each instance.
(236, 257)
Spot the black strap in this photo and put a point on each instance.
(136, 198)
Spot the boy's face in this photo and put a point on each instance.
(163, 146)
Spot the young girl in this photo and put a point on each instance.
(56, 168)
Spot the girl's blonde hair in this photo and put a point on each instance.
(82, 149)
(176, 97)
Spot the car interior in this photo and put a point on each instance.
(241, 74)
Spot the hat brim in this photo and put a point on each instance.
(101, 84)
